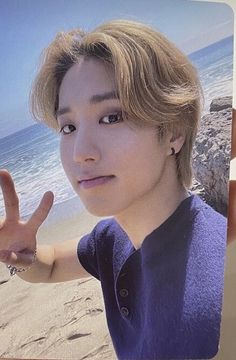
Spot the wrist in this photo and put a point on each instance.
(14, 269)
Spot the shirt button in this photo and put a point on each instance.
(124, 293)
(124, 311)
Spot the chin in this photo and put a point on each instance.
(97, 207)
(101, 206)
(98, 211)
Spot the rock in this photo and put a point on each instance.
(198, 189)
(211, 154)
(221, 103)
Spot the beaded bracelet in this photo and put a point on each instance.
(13, 269)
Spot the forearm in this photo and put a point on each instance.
(41, 269)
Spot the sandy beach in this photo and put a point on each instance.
(54, 321)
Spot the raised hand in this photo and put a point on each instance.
(18, 238)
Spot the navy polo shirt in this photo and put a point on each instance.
(162, 301)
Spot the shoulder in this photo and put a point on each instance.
(104, 233)
(207, 220)
(108, 228)
(96, 246)
(206, 234)
(205, 264)
(197, 221)
(96, 250)
(206, 252)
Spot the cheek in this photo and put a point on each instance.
(66, 156)
(126, 143)
(134, 161)
(124, 155)
(139, 150)
(145, 163)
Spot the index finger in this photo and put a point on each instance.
(42, 211)
(10, 197)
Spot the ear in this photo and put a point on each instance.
(176, 142)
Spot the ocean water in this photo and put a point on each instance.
(32, 154)
(215, 68)
(32, 157)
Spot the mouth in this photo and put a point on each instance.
(96, 181)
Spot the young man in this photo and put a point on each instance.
(126, 103)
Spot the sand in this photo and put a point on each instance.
(54, 321)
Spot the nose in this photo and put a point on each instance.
(86, 146)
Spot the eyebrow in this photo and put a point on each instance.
(102, 97)
(98, 98)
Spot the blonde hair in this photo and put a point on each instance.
(156, 83)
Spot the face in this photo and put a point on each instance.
(112, 166)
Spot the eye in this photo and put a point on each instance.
(67, 129)
(111, 119)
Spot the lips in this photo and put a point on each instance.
(90, 182)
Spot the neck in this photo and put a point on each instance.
(149, 213)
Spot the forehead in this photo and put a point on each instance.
(85, 79)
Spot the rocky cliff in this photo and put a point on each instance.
(211, 155)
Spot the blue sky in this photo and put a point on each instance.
(27, 26)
